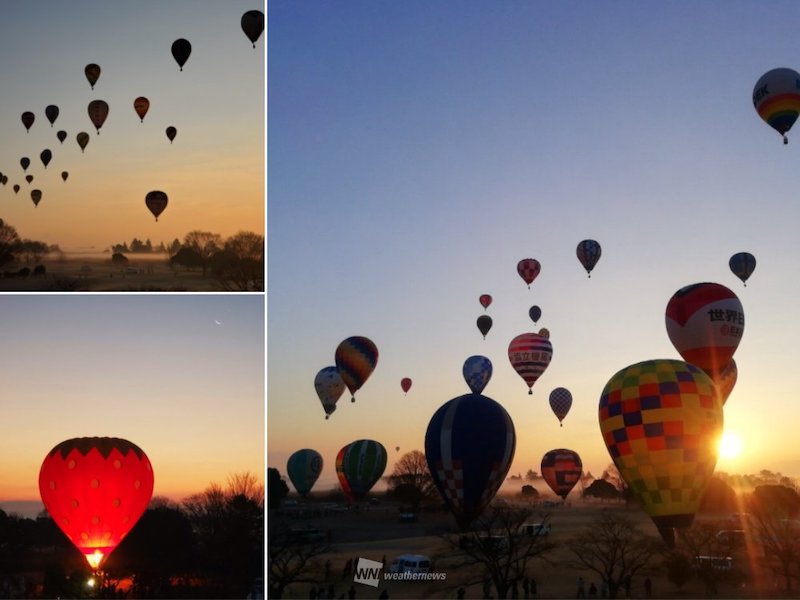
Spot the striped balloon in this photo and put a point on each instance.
(469, 446)
(661, 420)
(560, 402)
(530, 353)
(561, 469)
(528, 269)
(359, 466)
(356, 358)
(776, 98)
(477, 372)
(303, 468)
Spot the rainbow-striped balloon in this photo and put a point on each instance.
(776, 97)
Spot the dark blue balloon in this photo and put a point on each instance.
(469, 446)
(535, 313)
(742, 264)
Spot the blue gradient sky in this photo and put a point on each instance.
(213, 172)
(419, 150)
(156, 370)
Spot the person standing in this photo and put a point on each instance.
(581, 590)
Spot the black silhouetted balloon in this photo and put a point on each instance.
(253, 25)
(181, 49)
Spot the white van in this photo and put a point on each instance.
(411, 563)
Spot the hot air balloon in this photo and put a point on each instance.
(477, 371)
(726, 381)
(4, 179)
(27, 119)
(61, 135)
(171, 133)
(156, 201)
(253, 25)
(83, 140)
(485, 300)
(95, 489)
(776, 98)
(36, 196)
(661, 421)
(356, 358)
(561, 469)
(742, 264)
(560, 403)
(92, 73)
(64, 175)
(535, 313)
(46, 156)
(397, 448)
(141, 106)
(588, 252)
(98, 112)
(303, 468)
(530, 353)
(405, 384)
(705, 322)
(25, 162)
(29, 178)
(51, 112)
(16, 188)
(528, 269)
(469, 447)
(484, 324)
(181, 49)
(330, 387)
(359, 466)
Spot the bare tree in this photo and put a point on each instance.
(204, 243)
(772, 524)
(411, 479)
(702, 540)
(499, 548)
(9, 243)
(291, 559)
(614, 548)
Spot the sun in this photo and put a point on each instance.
(730, 445)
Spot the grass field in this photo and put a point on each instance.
(96, 273)
(374, 532)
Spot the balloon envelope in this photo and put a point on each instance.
(529, 354)
(528, 269)
(46, 156)
(484, 324)
(469, 446)
(661, 421)
(705, 322)
(95, 489)
(560, 402)
(361, 465)
(726, 381)
(64, 175)
(253, 25)
(83, 139)
(330, 387)
(29, 178)
(25, 162)
(742, 264)
(98, 112)
(51, 112)
(92, 72)
(171, 133)
(405, 384)
(356, 358)
(588, 252)
(27, 119)
(485, 300)
(477, 371)
(141, 106)
(303, 468)
(16, 188)
(36, 196)
(61, 135)
(561, 469)
(535, 313)
(156, 201)
(181, 49)
(776, 98)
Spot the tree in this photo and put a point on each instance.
(240, 265)
(9, 243)
(187, 257)
(119, 259)
(277, 489)
(32, 250)
(718, 497)
(205, 244)
(291, 560)
(702, 540)
(602, 489)
(411, 473)
(614, 548)
(532, 475)
(499, 549)
(773, 508)
(529, 492)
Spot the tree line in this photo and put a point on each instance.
(210, 545)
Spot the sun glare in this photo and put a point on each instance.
(730, 445)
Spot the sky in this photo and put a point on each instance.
(182, 377)
(418, 151)
(212, 173)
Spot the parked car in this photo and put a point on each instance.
(408, 517)
(411, 563)
(532, 529)
(718, 563)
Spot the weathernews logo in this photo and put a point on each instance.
(368, 572)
